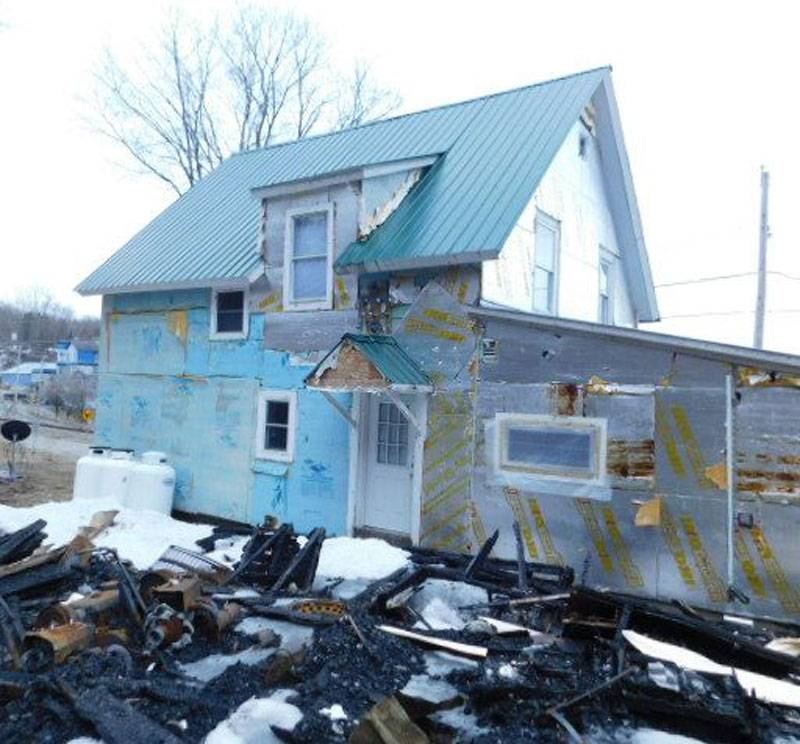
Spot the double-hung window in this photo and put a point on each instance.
(545, 268)
(560, 447)
(605, 311)
(308, 267)
(229, 316)
(277, 415)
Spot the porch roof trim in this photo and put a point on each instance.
(389, 366)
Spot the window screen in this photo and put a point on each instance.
(310, 257)
(545, 265)
(392, 435)
(276, 425)
(549, 448)
(230, 312)
(540, 444)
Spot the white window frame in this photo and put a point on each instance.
(549, 223)
(262, 452)
(597, 426)
(289, 302)
(216, 335)
(609, 260)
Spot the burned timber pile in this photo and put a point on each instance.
(448, 648)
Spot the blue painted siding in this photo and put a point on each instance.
(168, 387)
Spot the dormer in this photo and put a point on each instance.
(306, 225)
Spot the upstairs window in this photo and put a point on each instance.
(545, 269)
(605, 310)
(276, 425)
(229, 315)
(552, 446)
(308, 267)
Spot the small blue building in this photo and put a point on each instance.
(425, 328)
(79, 355)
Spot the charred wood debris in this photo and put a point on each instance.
(536, 658)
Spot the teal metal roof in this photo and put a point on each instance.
(386, 354)
(493, 151)
(390, 359)
(211, 232)
(468, 203)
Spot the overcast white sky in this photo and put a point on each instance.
(707, 91)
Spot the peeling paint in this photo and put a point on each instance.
(178, 323)
(381, 213)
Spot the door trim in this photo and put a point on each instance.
(359, 453)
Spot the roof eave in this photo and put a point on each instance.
(421, 262)
(741, 355)
(634, 250)
(241, 280)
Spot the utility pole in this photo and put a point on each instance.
(763, 236)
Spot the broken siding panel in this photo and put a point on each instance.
(439, 335)
(630, 458)
(768, 445)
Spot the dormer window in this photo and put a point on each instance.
(229, 316)
(308, 259)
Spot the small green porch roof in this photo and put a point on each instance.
(390, 359)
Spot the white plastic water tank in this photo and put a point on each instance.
(152, 484)
(88, 472)
(115, 475)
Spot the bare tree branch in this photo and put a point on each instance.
(362, 100)
(203, 92)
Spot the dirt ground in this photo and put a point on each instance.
(46, 463)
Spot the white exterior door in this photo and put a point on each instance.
(389, 468)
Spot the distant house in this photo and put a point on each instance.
(425, 328)
(28, 374)
(77, 355)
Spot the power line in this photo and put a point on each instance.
(728, 312)
(704, 279)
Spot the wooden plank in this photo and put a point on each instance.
(465, 649)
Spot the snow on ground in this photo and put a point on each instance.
(139, 536)
(293, 636)
(250, 723)
(438, 603)
(212, 666)
(359, 558)
(142, 536)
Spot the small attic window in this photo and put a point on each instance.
(589, 119)
(583, 146)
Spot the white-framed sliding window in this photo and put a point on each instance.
(229, 314)
(276, 425)
(553, 447)
(606, 288)
(547, 233)
(308, 259)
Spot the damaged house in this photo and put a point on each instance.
(425, 328)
